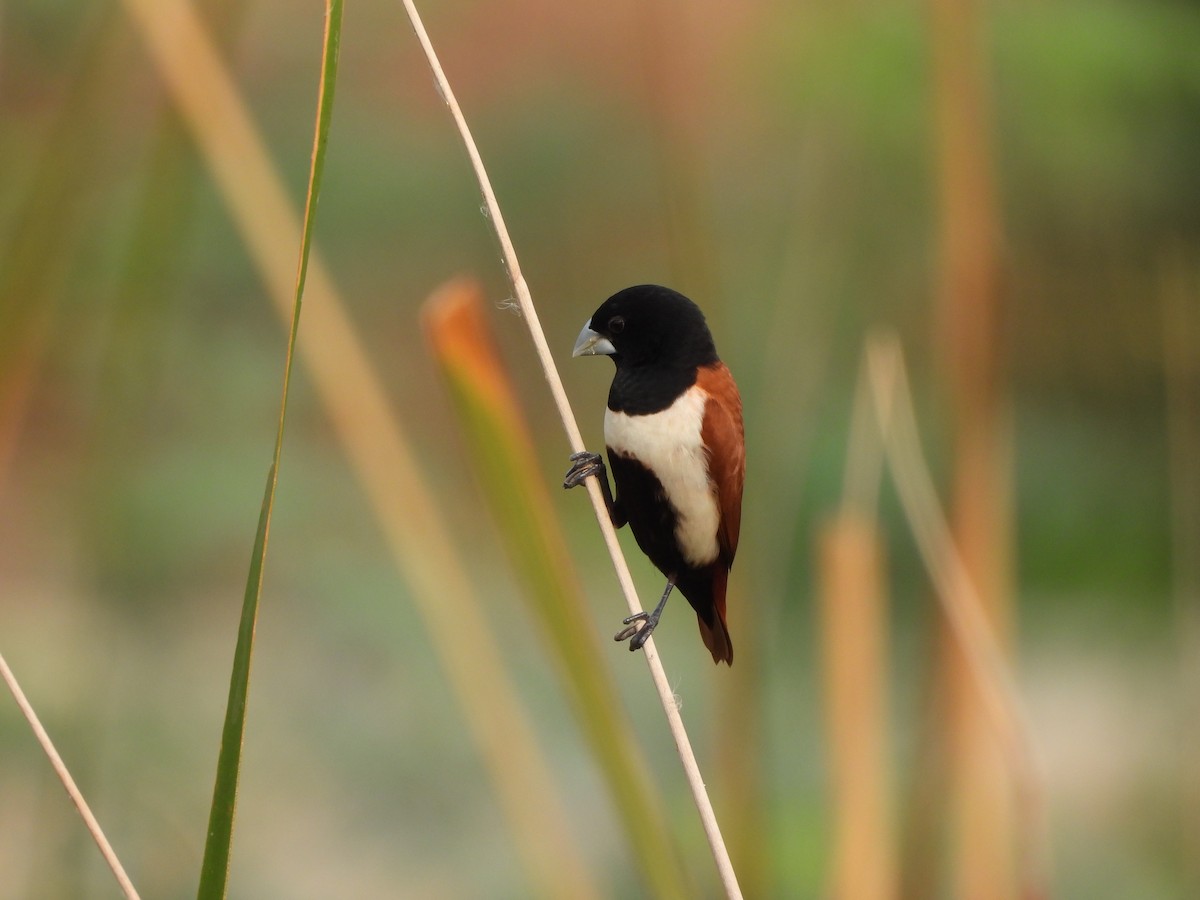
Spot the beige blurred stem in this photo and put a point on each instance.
(974, 634)
(853, 611)
(970, 340)
(60, 769)
(683, 744)
(514, 485)
(372, 437)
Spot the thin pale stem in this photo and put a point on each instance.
(550, 371)
(60, 769)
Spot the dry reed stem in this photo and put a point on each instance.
(60, 769)
(866, 449)
(18, 382)
(853, 607)
(373, 439)
(961, 604)
(853, 611)
(529, 312)
(971, 345)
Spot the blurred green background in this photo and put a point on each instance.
(776, 162)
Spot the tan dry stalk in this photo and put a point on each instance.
(985, 663)
(971, 342)
(853, 613)
(373, 439)
(60, 769)
(511, 479)
(853, 610)
(683, 744)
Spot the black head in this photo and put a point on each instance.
(648, 325)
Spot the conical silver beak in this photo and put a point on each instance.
(592, 344)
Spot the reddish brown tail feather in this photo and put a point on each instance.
(716, 636)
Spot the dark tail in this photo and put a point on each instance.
(707, 596)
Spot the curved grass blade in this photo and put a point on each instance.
(504, 460)
(379, 450)
(214, 871)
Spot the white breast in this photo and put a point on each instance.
(668, 443)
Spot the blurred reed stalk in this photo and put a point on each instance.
(853, 619)
(854, 629)
(986, 668)
(374, 440)
(666, 695)
(852, 601)
(1180, 291)
(971, 342)
(33, 266)
(674, 70)
(141, 297)
(20, 366)
(132, 311)
(793, 338)
(514, 486)
(50, 219)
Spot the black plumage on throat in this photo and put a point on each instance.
(662, 341)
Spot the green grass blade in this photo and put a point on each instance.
(515, 489)
(329, 64)
(214, 871)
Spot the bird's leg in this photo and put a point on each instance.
(641, 625)
(583, 466)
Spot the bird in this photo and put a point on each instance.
(676, 448)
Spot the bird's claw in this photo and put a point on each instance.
(637, 630)
(583, 466)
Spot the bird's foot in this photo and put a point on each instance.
(638, 629)
(583, 466)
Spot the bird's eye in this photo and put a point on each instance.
(616, 325)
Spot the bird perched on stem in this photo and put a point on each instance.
(675, 442)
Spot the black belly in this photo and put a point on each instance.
(652, 519)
